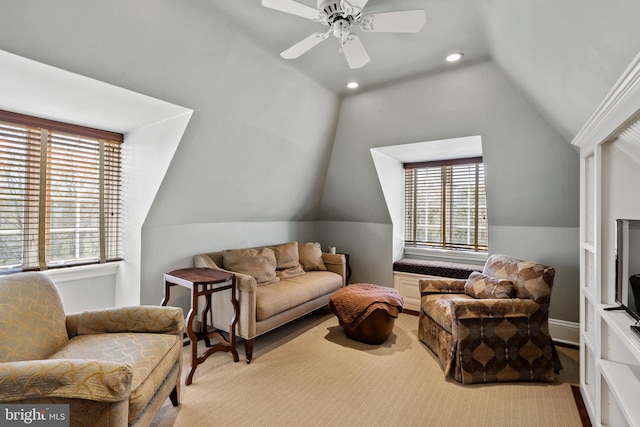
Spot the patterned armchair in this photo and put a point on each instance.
(114, 367)
(492, 326)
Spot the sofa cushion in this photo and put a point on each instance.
(286, 255)
(257, 262)
(438, 308)
(287, 260)
(480, 285)
(290, 272)
(152, 356)
(294, 291)
(311, 256)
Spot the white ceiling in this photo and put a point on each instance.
(563, 54)
(452, 25)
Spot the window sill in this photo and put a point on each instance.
(83, 272)
(444, 255)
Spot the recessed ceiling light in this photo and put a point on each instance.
(455, 57)
(353, 85)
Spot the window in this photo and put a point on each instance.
(445, 205)
(59, 194)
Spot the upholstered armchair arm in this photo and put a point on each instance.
(336, 263)
(441, 285)
(493, 308)
(151, 319)
(65, 378)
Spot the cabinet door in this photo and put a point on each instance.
(408, 286)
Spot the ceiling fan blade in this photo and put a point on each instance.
(292, 7)
(304, 45)
(355, 52)
(358, 3)
(402, 21)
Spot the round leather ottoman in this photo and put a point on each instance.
(366, 312)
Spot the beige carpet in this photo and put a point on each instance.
(309, 374)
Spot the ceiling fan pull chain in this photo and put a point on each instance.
(342, 42)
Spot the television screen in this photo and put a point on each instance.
(628, 265)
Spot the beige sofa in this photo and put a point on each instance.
(275, 284)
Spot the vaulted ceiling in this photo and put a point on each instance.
(564, 55)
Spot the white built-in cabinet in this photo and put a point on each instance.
(610, 188)
(407, 284)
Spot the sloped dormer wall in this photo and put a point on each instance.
(250, 167)
(532, 173)
(252, 164)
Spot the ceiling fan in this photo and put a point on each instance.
(340, 16)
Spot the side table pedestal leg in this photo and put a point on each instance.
(194, 346)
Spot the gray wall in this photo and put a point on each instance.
(532, 174)
(566, 55)
(253, 158)
(251, 167)
(166, 248)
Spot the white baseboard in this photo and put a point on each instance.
(564, 332)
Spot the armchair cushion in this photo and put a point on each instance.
(439, 308)
(150, 356)
(532, 280)
(69, 378)
(480, 285)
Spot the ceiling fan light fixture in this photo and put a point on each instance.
(340, 28)
(454, 57)
(340, 16)
(353, 85)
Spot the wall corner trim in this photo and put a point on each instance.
(615, 112)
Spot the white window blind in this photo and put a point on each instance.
(445, 205)
(59, 194)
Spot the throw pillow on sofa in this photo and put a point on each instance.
(480, 285)
(287, 260)
(311, 256)
(259, 263)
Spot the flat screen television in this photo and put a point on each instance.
(628, 266)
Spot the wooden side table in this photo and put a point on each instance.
(204, 282)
